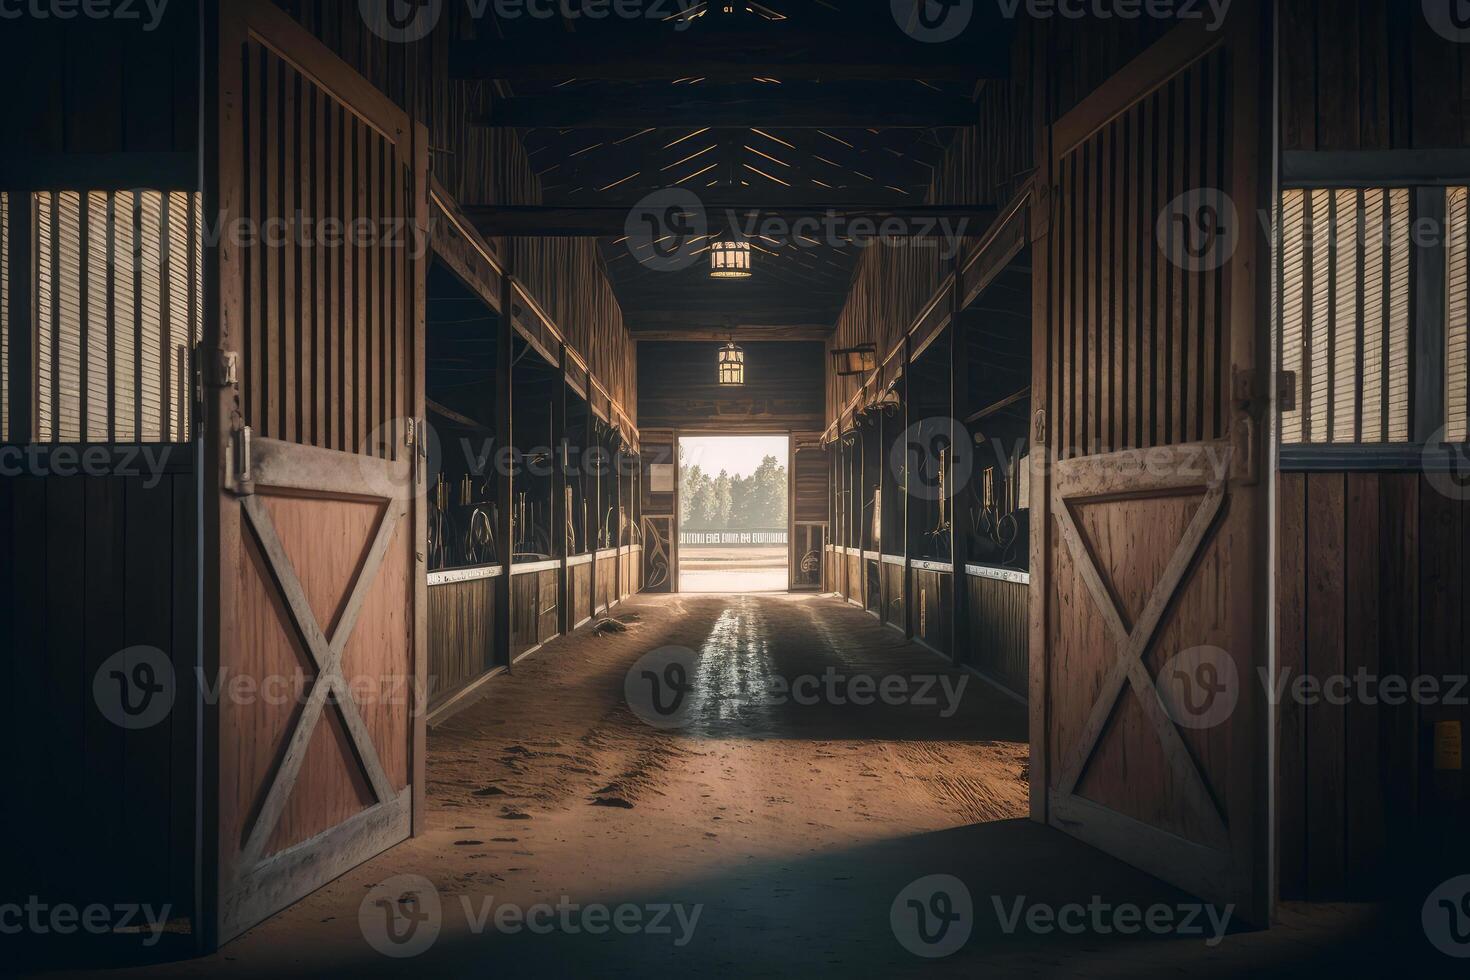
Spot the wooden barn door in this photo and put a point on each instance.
(1149, 721)
(314, 505)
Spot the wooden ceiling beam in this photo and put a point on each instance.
(794, 106)
(883, 53)
(609, 220)
(740, 333)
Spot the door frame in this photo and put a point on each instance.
(754, 432)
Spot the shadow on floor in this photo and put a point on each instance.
(830, 914)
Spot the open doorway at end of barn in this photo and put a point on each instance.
(734, 494)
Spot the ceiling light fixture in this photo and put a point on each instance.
(729, 258)
(732, 365)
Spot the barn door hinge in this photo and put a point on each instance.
(240, 479)
(219, 368)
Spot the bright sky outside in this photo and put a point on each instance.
(738, 455)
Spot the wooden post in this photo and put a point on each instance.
(502, 457)
(1043, 255)
(908, 510)
(593, 505)
(878, 505)
(19, 389)
(1427, 407)
(418, 359)
(959, 409)
(559, 514)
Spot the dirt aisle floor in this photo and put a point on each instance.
(761, 838)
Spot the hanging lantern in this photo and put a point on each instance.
(729, 258)
(732, 365)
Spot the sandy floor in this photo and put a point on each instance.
(790, 828)
(715, 568)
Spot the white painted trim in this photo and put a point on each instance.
(999, 574)
(932, 566)
(449, 576)
(526, 567)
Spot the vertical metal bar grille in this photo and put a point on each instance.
(118, 286)
(1457, 314)
(1343, 300)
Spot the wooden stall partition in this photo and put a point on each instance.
(930, 588)
(659, 509)
(893, 591)
(1151, 550)
(314, 528)
(810, 470)
(1370, 598)
(998, 635)
(461, 611)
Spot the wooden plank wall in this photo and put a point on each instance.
(984, 165)
(487, 165)
(91, 567)
(1126, 318)
(1371, 580)
(657, 512)
(100, 86)
(1370, 75)
(326, 353)
(1370, 564)
(568, 277)
(893, 593)
(461, 635)
(678, 386)
(999, 641)
(933, 608)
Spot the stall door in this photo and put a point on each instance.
(314, 504)
(1149, 722)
